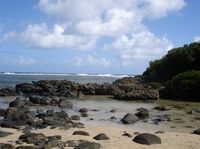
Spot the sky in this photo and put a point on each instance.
(93, 36)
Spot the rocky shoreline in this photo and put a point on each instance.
(128, 88)
(33, 124)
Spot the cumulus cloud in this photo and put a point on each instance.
(18, 61)
(40, 35)
(196, 39)
(140, 46)
(81, 23)
(161, 8)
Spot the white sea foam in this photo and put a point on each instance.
(67, 74)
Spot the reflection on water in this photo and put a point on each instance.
(99, 110)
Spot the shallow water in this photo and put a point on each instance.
(99, 110)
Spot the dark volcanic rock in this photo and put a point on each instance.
(17, 117)
(83, 133)
(101, 136)
(17, 103)
(33, 138)
(2, 112)
(127, 134)
(133, 88)
(8, 91)
(147, 139)
(50, 143)
(35, 99)
(6, 146)
(82, 110)
(88, 145)
(75, 117)
(197, 131)
(64, 103)
(143, 113)
(129, 119)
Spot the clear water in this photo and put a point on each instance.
(101, 104)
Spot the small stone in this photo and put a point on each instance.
(147, 139)
(101, 136)
(83, 110)
(83, 133)
(127, 135)
(75, 117)
(88, 145)
(197, 132)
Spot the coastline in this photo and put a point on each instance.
(172, 140)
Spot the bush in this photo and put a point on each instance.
(184, 85)
(177, 61)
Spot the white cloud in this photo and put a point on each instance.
(161, 8)
(8, 36)
(116, 22)
(40, 35)
(141, 45)
(80, 23)
(196, 39)
(18, 61)
(89, 18)
(89, 60)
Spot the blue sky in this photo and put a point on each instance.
(92, 36)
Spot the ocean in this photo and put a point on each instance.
(13, 78)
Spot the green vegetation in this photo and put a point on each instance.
(178, 71)
(183, 86)
(177, 61)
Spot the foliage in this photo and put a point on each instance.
(176, 61)
(184, 85)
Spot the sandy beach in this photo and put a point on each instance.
(170, 140)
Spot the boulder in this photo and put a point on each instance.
(101, 136)
(83, 110)
(35, 99)
(147, 139)
(197, 131)
(88, 145)
(50, 143)
(6, 146)
(17, 103)
(143, 113)
(129, 119)
(8, 91)
(75, 117)
(33, 138)
(133, 88)
(82, 133)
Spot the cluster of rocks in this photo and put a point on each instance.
(19, 115)
(128, 88)
(130, 118)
